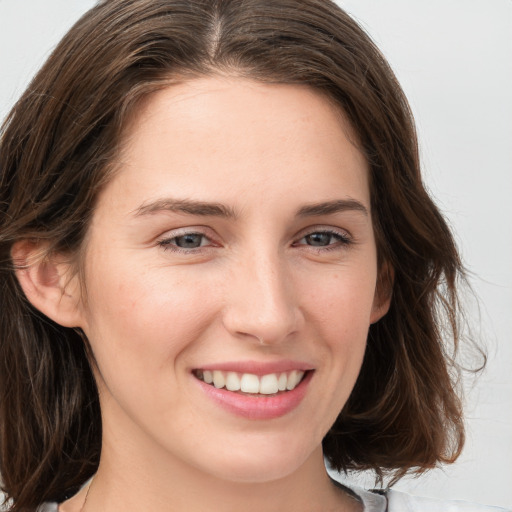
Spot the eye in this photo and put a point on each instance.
(319, 239)
(325, 239)
(189, 241)
(185, 241)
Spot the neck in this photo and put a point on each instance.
(122, 485)
(135, 473)
(179, 487)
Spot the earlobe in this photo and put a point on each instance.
(383, 293)
(47, 283)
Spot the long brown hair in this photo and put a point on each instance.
(57, 149)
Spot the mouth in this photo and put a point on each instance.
(271, 384)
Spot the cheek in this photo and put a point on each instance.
(339, 307)
(144, 319)
(341, 299)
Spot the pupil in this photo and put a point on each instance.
(318, 239)
(189, 241)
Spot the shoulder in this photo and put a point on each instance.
(397, 501)
(390, 501)
(403, 502)
(48, 507)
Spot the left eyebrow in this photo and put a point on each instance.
(186, 206)
(330, 207)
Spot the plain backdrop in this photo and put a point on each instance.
(454, 60)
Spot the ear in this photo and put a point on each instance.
(48, 282)
(383, 292)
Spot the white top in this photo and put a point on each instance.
(390, 501)
(402, 502)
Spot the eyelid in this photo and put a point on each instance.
(165, 240)
(325, 229)
(344, 237)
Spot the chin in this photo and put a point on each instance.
(262, 464)
(256, 473)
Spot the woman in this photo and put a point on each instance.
(220, 265)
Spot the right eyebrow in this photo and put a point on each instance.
(330, 207)
(187, 206)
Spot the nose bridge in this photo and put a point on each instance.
(262, 304)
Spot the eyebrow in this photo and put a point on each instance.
(330, 207)
(187, 206)
(212, 209)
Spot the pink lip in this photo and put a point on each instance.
(257, 407)
(259, 368)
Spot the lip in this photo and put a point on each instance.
(258, 407)
(259, 368)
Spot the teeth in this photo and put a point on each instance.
(218, 379)
(250, 383)
(232, 381)
(269, 384)
(293, 380)
(207, 376)
(281, 383)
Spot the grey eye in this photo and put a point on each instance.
(319, 239)
(189, 241)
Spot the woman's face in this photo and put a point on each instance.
(235, 244)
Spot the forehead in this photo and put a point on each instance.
(230, 99)
(225, 133)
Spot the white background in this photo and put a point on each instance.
(454, 60)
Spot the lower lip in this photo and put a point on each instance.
(258, 407)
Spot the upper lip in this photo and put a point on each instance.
(258, 367)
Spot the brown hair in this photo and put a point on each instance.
(57, 146)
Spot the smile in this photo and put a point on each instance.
(269, 384)
(254, 392)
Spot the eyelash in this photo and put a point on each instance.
(343, 240)
(168, 243)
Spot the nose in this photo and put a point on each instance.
(261, 304)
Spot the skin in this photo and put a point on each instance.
(256, 289)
